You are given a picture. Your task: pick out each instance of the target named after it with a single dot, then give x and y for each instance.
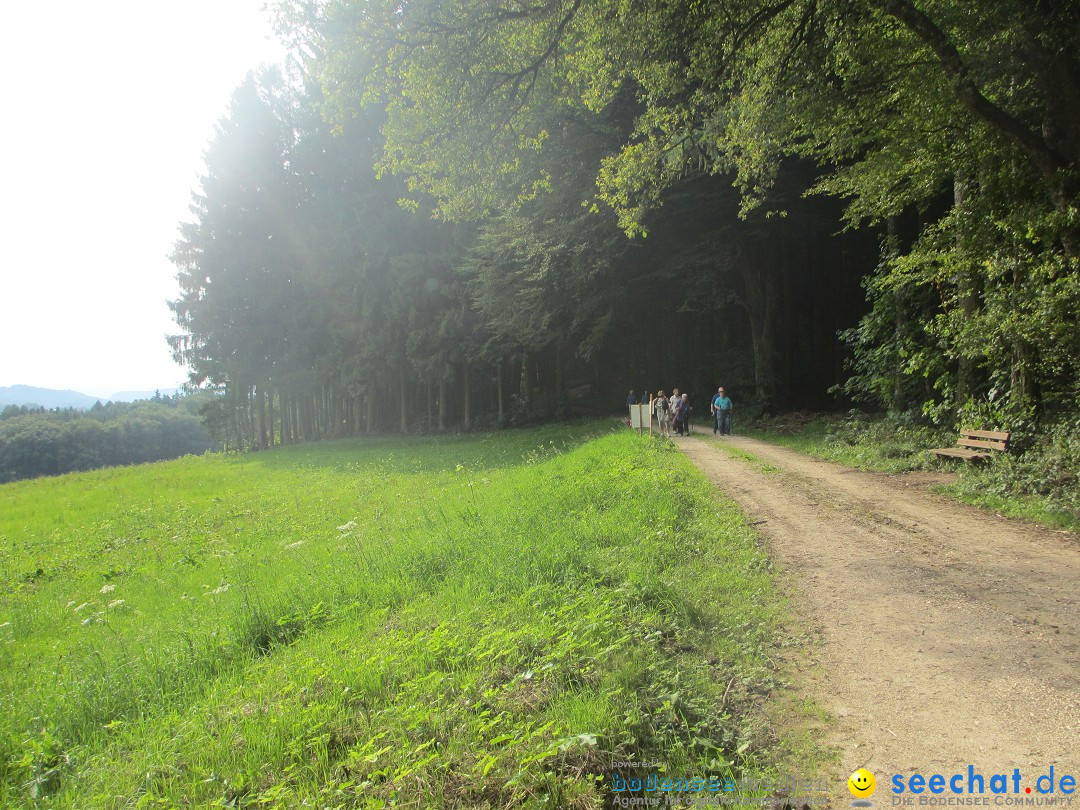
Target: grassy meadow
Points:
(473, 622)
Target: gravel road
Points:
(948, 636)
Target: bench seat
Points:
(965, 453)
(975, 445)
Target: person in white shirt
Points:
(663, 413)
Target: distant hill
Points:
(52, 398)
(44, 397)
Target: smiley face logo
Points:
(862, 784)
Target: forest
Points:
(462, 215)
(35, 441)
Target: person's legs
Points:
(725, 423)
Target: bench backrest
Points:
(984, 439)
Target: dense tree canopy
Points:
(614, 191)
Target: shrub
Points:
(1050, 466)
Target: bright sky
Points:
(108, 108)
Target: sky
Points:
(107, 110)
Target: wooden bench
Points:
(975, 445)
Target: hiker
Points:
(673, 409)
(680, 409)
(721, 408)
(684, 415)
(631, 399)
(663, 413)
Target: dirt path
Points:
(949, 636)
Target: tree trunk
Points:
(759, 301)
(286, 418)
(290, 413)
(402, 403)
(499, 389)
(559, 370)
(270, 414)
(465, 398)
(526, 380)
(247, 434)
(966, 285)
(228, 431)
(321, 421)
(283, 407)
(238, 422)
(1021, 399)
(442, 406)
(892, 252)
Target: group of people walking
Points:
(673, 413)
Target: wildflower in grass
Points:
(80, 607)
(115, 603)
(348, 527)
(107, 588)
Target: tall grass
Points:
(1038, 484)
(449, 623)
(857, 441)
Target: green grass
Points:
(864, 445)
(883, 446)
(744, 455)
(976, 487)
(471, 622)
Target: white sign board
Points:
(641, 417)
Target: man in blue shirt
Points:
(721, 410)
